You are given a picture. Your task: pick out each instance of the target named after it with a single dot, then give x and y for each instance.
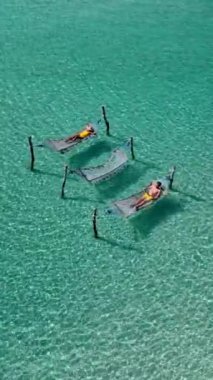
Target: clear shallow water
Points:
(136, 304)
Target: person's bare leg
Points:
(72, 139)
(140, 204)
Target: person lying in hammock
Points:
(85, 133)
(153, 192)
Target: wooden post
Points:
(31, 153)
(132, 148)
(171, 177)
(64, 181)
(94, 222)
(105, 120)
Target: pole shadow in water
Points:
(50, 174)
(82, 199)
(191, 196)
(80, 159)
(115, 243)
(152, 217)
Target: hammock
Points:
(67, 143)
(126, 207)
(117, 161)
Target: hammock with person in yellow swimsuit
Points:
(128, 207)
(65, 144)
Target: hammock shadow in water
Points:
(81, 158)
(114, 243)
(119, 182)
(149, 219)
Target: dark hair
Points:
(158, 184)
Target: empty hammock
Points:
(117, 162)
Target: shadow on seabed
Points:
(115, 243)
(80, 159)
(152, 217)
(192, 196)
(49, 174)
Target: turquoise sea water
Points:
(136, 304)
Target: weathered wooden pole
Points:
(31, 153)
(94, 222)
(171, 177)
(64, 181)
(132, 148)
(105, 120)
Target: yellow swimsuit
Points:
(147, 197)
(84, 133)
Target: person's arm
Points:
(158, 194)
